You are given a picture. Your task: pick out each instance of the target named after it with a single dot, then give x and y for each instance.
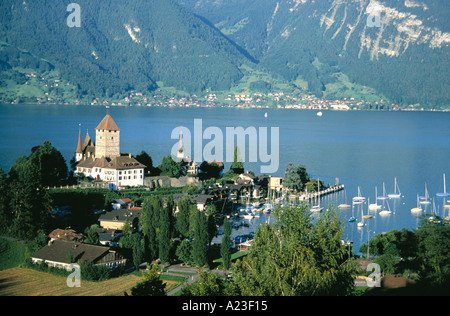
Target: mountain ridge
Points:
(326, 48)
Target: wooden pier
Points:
(306, 196)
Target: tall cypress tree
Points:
(200, 243)
(225, 246)
(164, 235)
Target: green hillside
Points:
(121, 47)
(404, 59)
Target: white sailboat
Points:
(358, 199)
(361, 223)
(317, 208)
(417, 209)
(445, 192)
(396, 194)
(344, 205)
(375, 206)
(425, 199)
(368, 215)
(384, 196)
(386, 212)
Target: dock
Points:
(306, 196)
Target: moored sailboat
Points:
(443, 194)
(425, 199)
(375, 206)
(358, 199)
(417, 209)
(396, 194)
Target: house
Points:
(202, 200)
(246, 178)
(66, 234)
(116, 219)
(109, 237)
(122, 203)
(59, 253)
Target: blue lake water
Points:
(359, 148)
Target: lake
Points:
(360, 148)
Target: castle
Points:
(102, 160)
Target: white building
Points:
(102, 161)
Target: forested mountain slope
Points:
(123, 45)
(398, 47)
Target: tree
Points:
(50, 163)
(294, 257)
(171, 168)
(30, 202)
(225, 250)
(151, 285)
(92, 235)
(184, 252)
(200, 243)
(149, 223)
(209, 170)
(138, 250)
(183, 215)
(295, 177)
(5, 212)
(237, 165)
(164, 235)
(147, 161)
(207, 285)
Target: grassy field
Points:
(25, 282)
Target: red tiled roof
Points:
(108, 124)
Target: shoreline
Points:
(233, 107)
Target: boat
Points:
(344, 205)
(361, 224)
(384, 196)
(352, 219)
(248, 215)
(265, 114)
(425, 199)
(375, 206)
(386, 212)
(396, 194)
(417, 209)
(317, 208)
(358, 199)
(319, 113)
(267, 208)
(368, 216)
(445, 192)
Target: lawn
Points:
(26, 282)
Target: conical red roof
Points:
(108, 124)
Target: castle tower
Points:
(107, 138)
(180, 152)
(78, 151)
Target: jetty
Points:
(307, 196)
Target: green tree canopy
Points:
(295, 257)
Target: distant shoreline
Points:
(233, 107)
